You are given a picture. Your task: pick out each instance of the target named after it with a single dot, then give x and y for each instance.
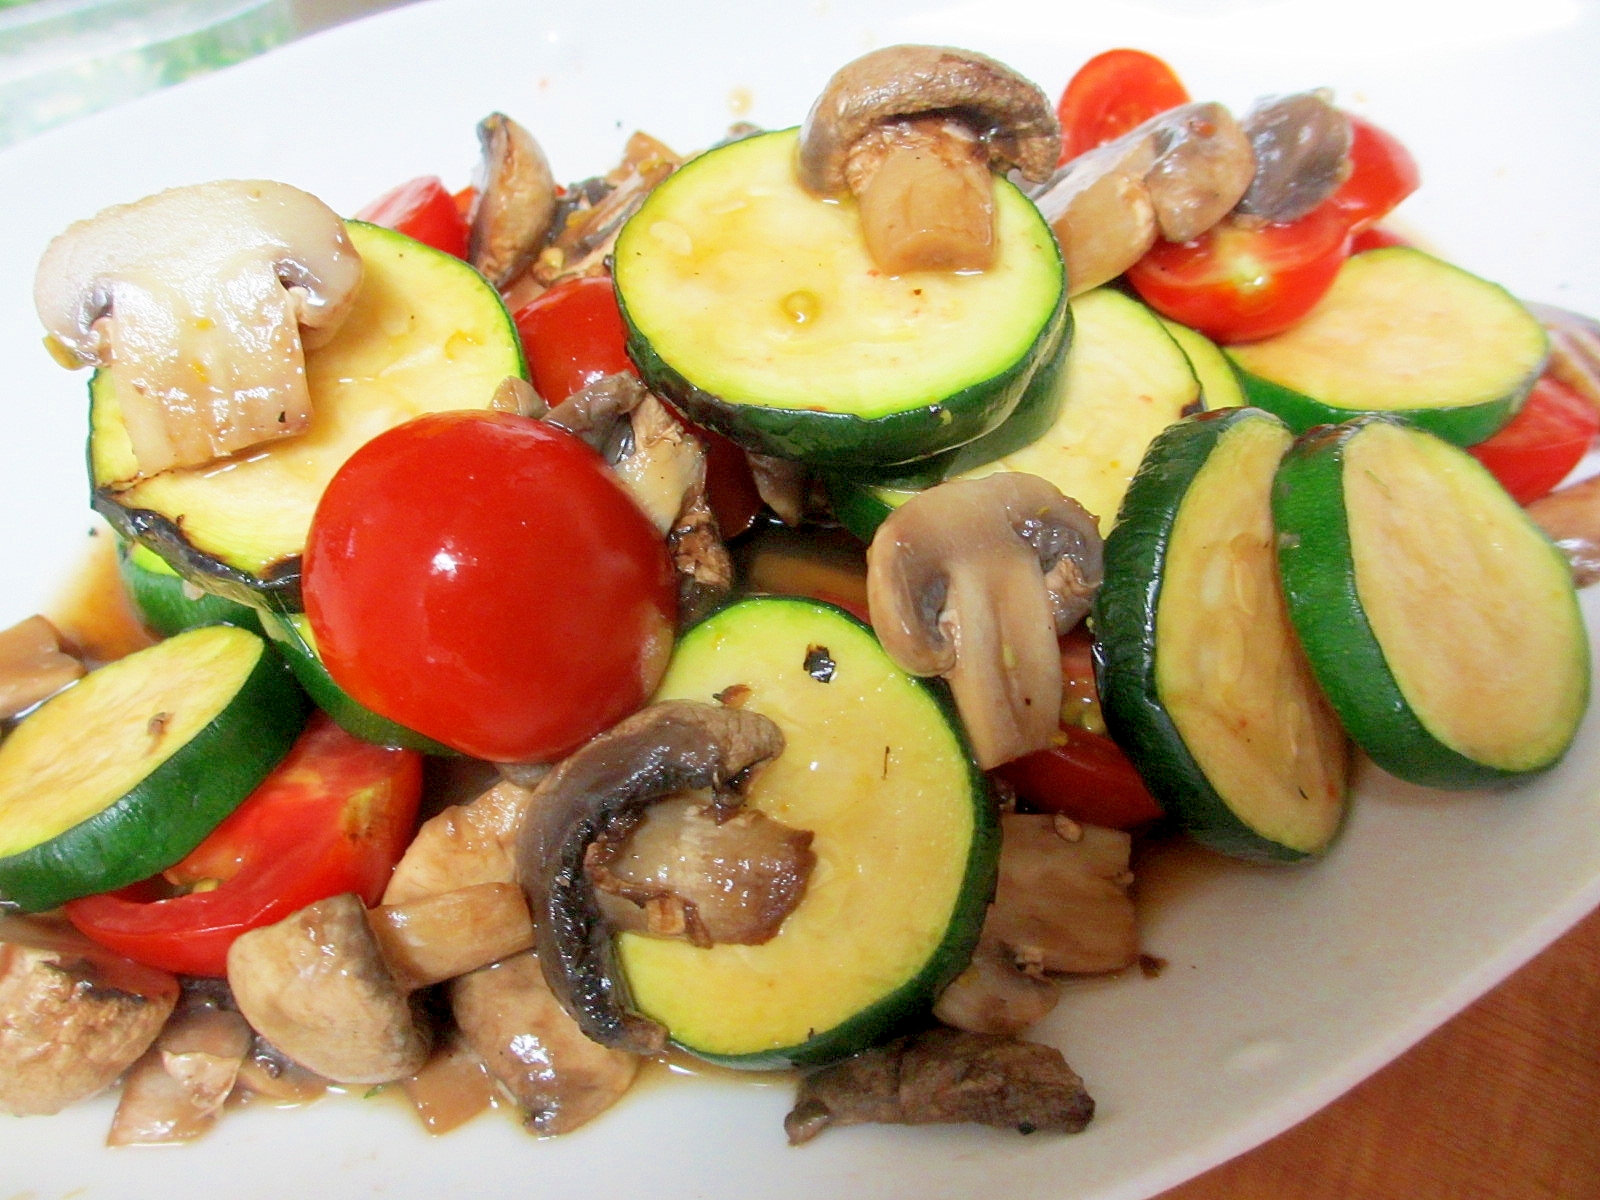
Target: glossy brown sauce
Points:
(92, 610)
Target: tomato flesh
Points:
(1540, 446)
(1110, 95)
(1237, 283)
(1085, 776)
(335, 816)
(573, 335)
(485, 579)
(421, 208)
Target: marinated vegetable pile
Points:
(751, 605)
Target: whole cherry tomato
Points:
(1236, 283)
(573, 335)
(1538, 447)
(334, 816)
(486, 580)
(1382, 173)
(1111, 94)
(423, 209)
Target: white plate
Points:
(1285, 986)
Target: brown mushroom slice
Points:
(1571, 518)
(912, 132)
(33, 667)
(658, 752)
(200, 302)
(1175, 176)
(1302, 148)
(75, 1016)
(559, 1078)
(463, 845)
(1574, 349)
(663, 464)
(516, 201)
(994, 995)
(685, 870)
(974, 580)
(945, 1076)
(268, 1074)
(176, 1091)
(453, 1086)
(592, 213)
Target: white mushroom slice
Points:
(436, 938)
(75, 1016)
(200, 301)
(664, 464)
(177, 1090)
(463, 845)
(516, 201)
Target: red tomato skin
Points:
(1237, 284)
(1087, 777)
(1540, 446)
(573, 335)
(486, 580)
(333, 817)
(1112, 94)
(423, 209)
(1382, 173)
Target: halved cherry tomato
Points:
(334, 817)
(1375, 237)
(486, 580)
(1111, 94)
(1539, 446)
(1235, 283)
(423, 209)
(1382, 173)
(573, 335)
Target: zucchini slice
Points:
(125, 772)
(1125, 380)
(426, 334)
(291, 633)
(906, 838)
(167, 602)
(1219, 382)
(754, 307)
(1441, 622)
(1401, 332)
(1201, 678)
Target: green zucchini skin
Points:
(1318, 566)
(1385, 315)
(761, 409)
(172, 809)
(1123, 625)
(164, 600)
(910, 1002)
(288, 634)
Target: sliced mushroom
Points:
(1174, 177)
(1061, 907)
(686, 871)
(945, 1076)
(320, 986)
(176, 1091)
(453, 1087)
(913, 132)
(662, 750)
(782, 484)
(200, 302)
(663, 464)
(516, 201)
(1574, 349)
(270, 1075)
(33, 666)
(75, 1016)
(1571, 518)
(559, 1078)
(1302, 148)
(974, 580)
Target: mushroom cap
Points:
(974, 580)
(316, 986)
(1302, 149)
(1011, 114)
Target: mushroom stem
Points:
(928, 204)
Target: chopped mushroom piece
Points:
(33, 667)
(663, 750)
(559, 1078)
(200, 303)
(1571, 518)
(945, 1076)
(453, 1087)
(319, 985)
(76, 1016)
(913, 132)
(1302, 148)
(516, 201)
(1175, 176)
(974, 580)
(176, 1091)
(463, 845)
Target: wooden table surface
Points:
(1502, 1103)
